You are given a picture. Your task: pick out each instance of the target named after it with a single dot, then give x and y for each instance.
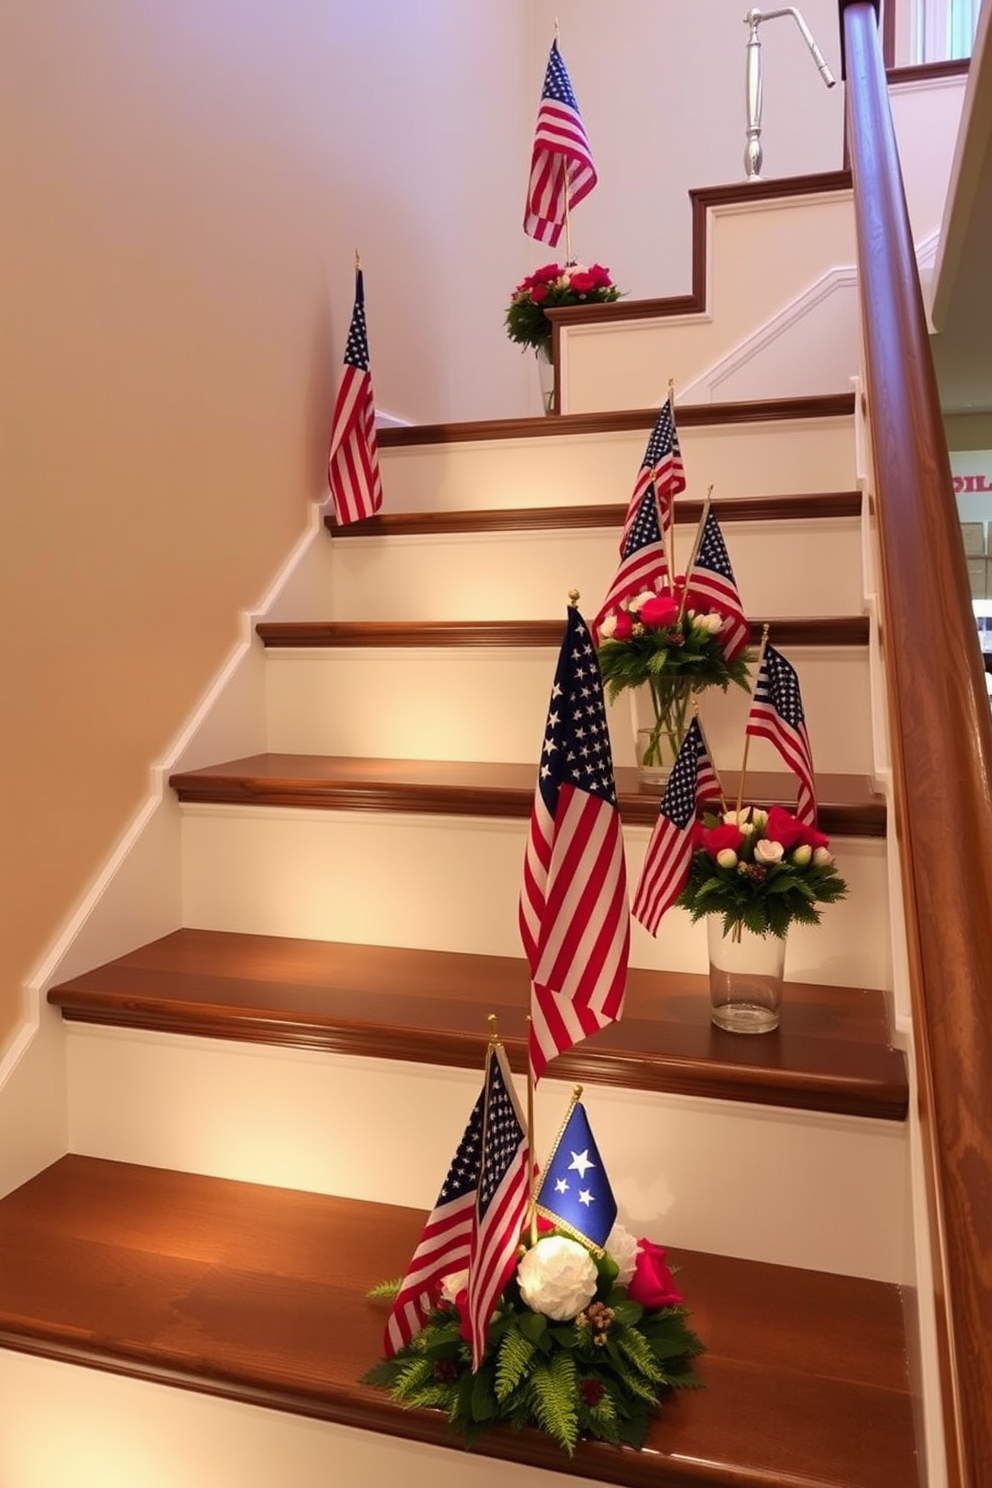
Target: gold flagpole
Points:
(695, 713)
(697, 542)
(747, 736)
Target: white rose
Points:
(621, 1247)
(557, 1276)
(737, 818)
(711, 622)
(802, 855)
(768, 852)
(452, 1284)
(822, 858)
(759, 817)
(638, 599)
(608, 625)
(727, 858)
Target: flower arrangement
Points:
(656, 640)
(761, 870)
(549, 288)
(582, 1343)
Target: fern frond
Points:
(515, 1355)
(552, 1395)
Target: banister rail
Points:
(942, 758)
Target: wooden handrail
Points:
(942, 759)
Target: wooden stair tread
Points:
(258, 1295)
(847, 804)
(792, 631)
(611, 514)
(613, 421)
(831, 1052)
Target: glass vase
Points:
(661, 715)
(746, 972)
(546, 377)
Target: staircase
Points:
(264, 1100)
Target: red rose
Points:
(782, 827)
(652, 1284)
(660, 611)
(583, 283)
(624, 627)
(546, 275)
(715, 839)
(810, 837)
(600, 276)
(539, 293)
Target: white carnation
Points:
(768, 852)
(557, 1276)
(621, 1247)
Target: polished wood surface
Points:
(830, 630)
(847, 804)
(258, 1294)
(600, 514)
(830, 1053)
(942, 758)
(692, 415)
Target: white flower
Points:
(822, 858)
(802, 855)
(759, 817)
(621, 1247)
(608, 625)
(768, 852)
(557, 1276)
(738, 818)
(452, 1284)
(637, 600)
(727, 858)
(711, 622)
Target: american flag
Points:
(710, 583)
(561, 161)
(662, 463)
(777, 715)
(353, 463)
(574, 919)
(669, 853)
(575, 1192)
(501, 1202)
(446, 1243)
(643, 560)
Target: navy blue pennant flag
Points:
(575, 1193)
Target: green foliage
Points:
(695, 661)
(554, 1376)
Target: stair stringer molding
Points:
(136, 894)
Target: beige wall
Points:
(184, 185)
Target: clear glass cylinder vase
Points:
(546, 377)
(746, 974)
(661, 714)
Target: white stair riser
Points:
(117, 1432)
(490, 704)
(452, 883)
(757, 459)
(628, 364)
(808, 567)
(800, 1188)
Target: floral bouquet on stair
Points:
(545, 1314)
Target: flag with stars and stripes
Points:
(669, 853)
(662, 464)
(561, 167)
(643, 561)
(501, 1200)
(574, 919)
(777, 715)
(575, 1193)
(710, 584)
(353, 463)
(446, 1242)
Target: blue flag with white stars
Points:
(575, 1193)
